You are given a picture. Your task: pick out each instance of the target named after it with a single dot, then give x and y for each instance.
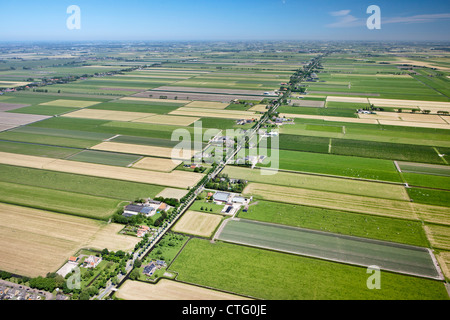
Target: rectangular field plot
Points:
(34, 242)
(170, 290)
(157, 164)
(172, 193)
(387, 256)
(168, 120)
(106, 115)
(70, 103)
(197, 223)
(362, 188)
(164, 152)
(103, 157)
(58, 201)
(275, 275)
(207, 105)
(347, 223)
(422, 168)
(179, 179)
(19, 119)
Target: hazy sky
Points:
(224, 20)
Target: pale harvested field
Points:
(157, 164)
(11, 106)
(415, 124)
(438, 235)
(70, 103)
(432, 213)
(207, 105)
(35, 242)
(172, 193)
(154, 100)
(12, 84)
(178, 179)
(409, 103)
(443, 258)
(170, 290)
(107, 115)
(197, 223)
(4, 127)
(411, 117)
(258, 108)
(347, 99)
(19, 119)
(169, 120)
(163, 152)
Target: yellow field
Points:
(197, 223)
(13, 84)
(172, 193)
(423, 105)
(207, 105)
(443, 258)
(259, 108)
(169, 120)
(157, 164)
(170, 290)
(107, 115)
(179, 179)
(70, 103)
(413, 117)
(347, 99)
(439, 236)
(34, 242)
(142, 150)
(154, 100)
(415, 124)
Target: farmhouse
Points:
(148, 209)
(92, 261)
(142, 231)
(149, 269)
(73, 260)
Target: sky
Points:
(159, 20)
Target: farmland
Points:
(220, 261)
(360, 177)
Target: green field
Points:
(347, 166)
(59, 201)
(36, 149)
(100, 187)
(353, 224)
(107, 158)
(275, 276)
